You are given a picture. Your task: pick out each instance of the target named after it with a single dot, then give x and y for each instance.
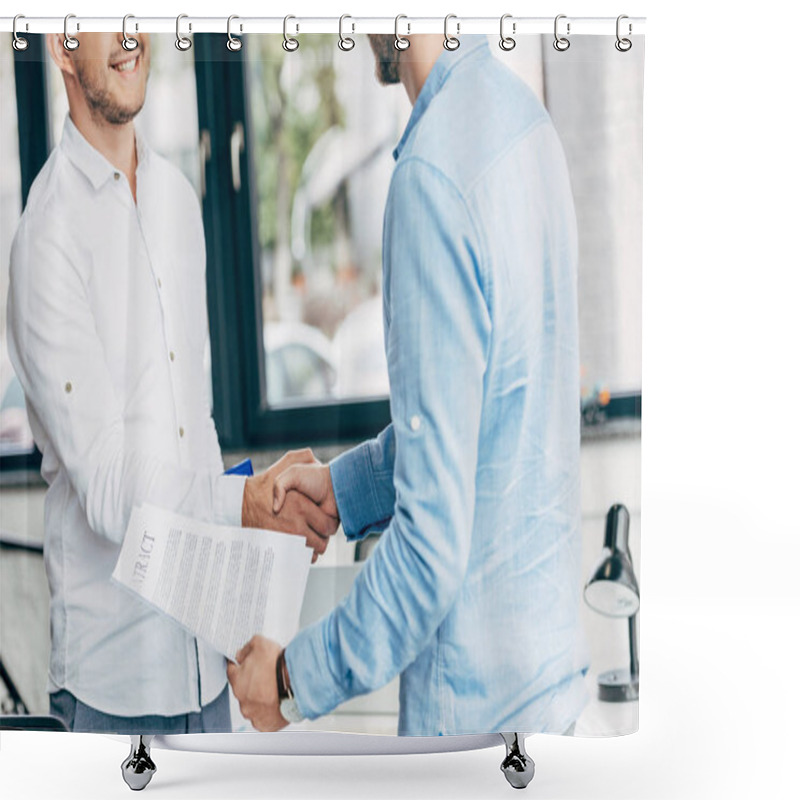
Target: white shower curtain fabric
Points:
(406, 285)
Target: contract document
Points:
(222, 584)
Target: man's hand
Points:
(255, 685)
(298, 514)
(312, 479)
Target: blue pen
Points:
(242, 468)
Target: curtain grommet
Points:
(346, 43)
(623, 44)
(401, 42)
(451, 43)
(70, 42)
(290, 44)
(507, 43)
(19, 43)
(560, 43)
(183, 43)
(234, 44)
(129, 43)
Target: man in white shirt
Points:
(107, 325)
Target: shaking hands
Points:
(294, 495)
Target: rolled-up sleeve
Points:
(60, 361)
(437, 347)
(363, 485)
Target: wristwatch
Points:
(288, 705)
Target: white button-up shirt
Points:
(108, 327)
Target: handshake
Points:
(295, 495)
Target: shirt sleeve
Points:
(437, 345)
(59, 359)
(363, 485)
(229, 493)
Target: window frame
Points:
(33, 138)
(233, 279)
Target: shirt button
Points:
(116, 176)
(171, 356)
(416, 423)
(180, 432)
(159, 283)
(68, 387)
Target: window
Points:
(600, 126)
(298, 172)
(15, 432)
(321, 135)
(601, 130)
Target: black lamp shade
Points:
(612, 589)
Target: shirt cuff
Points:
(357, 496)
(228, 491)
(315, 689)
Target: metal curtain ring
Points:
(19, 43)
(70, 42)
(233, 44)
(451, 42)
(400, 42)
(561, 43)
(128, 42)
(345, 42)
(507, 42)
(623, 44)
(182, 42)
(289, 43)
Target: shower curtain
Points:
(321, 382)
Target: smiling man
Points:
(108, 328)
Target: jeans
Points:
(77, 716)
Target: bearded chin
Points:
(387, 58)
(101, 105)
(110, 112)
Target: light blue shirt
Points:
(472, 592)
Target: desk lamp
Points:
(612, 590)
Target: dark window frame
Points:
(33, 133)
(222, 105)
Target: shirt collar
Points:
(91, 162)
(470, 46)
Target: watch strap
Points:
(284, 692)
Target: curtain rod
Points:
(298, 25)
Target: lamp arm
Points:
(634, 645)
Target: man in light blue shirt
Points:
(472, 593)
